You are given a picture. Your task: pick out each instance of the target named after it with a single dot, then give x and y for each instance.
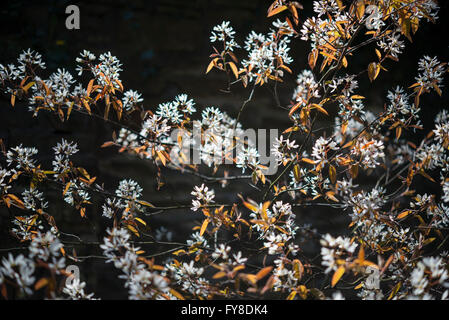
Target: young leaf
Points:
(360, 9)
(296, 173)
(177, 294)
(292, 295)
(344, 62)
(204, 226)
(211, 65)
(141, 221)
(41, 283)
(275, 11)
(294, 108)
(403, 214)
(219, 275)
(250, 206)
(373, 71)
(262, 273)
(234, 69)
(320, 108)
(313, 56)
(89, 87)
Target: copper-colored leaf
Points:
(264, 210)
(145, 203)
(204, 226)
(332, 174)
(379, 55)
(269, 284)
(161, 157)
(211, 65)
(307, 160)
(331, 195)
(320, 108)
(28, 86)
(262, 273)
(337, 275)
(294, 108)
(41, 283)
(276, 11)
(344, 62)
(133, 230)
(354, 171)
(89, 87)
(294, 12)
(296, 173)
(86, 105)
(292, 295)
(398, 132)
(395, 290)
(373, 71)
(67, 186)
(219, 275)
(177, 294)
(141, 221)
(4, 291)
(361, 255)
(403, 214)
(107, 144)
(340, 5)
(360, 9)
(251, 206)
(313, 56)
(234, 69)
(298, 269)
(119, 84)
(69, 110)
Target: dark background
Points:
(164, 48)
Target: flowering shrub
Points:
(247, 248)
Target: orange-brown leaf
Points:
(337, 275)
(403, 214)
(332, 174)
(211, 65)
(89, 87)
(373, 71)
(177, 294)
(219, 275)
(320, 108)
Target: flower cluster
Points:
(267, 53)
(21, 157)
(225, 33)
